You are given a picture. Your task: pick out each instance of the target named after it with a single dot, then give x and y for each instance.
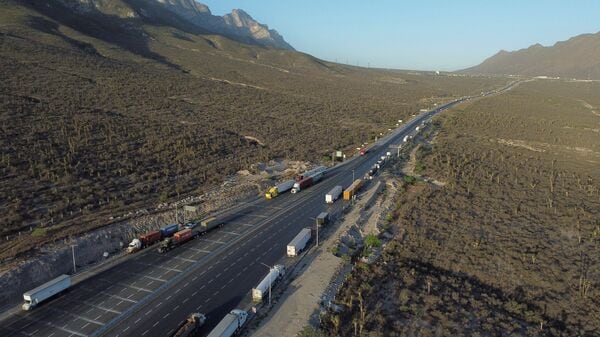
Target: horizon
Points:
(445, 44)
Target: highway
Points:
(149, 294)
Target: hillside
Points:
(104, 112)
(578, 57)
(506, 243)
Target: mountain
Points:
(578, 57)
(238, 24)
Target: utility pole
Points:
(317, 233)
(270, 281)
(73, 252)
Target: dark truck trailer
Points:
(169, 230)
(323, 218)
(177, 239)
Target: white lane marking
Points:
(102, 308)
(63, 329)
(155, 324)
(166, 315)
(185, 300)
(194, 293)
(215, 241)
(231, 233)
(137, 320)
(184, 259)
(168, 298)
(85, 319)
(155, 278)
(127, 328)
(148, 312)
(199, 250)
(145, 332)
(203, 286)
(158, 305)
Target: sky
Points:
(417, 34)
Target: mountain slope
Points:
(578, 57)
(238, 24)
(108, 107)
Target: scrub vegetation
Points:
(101, 115)
(510, 244)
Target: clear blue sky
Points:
(418, 34)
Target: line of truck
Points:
(300, 182)
(173, 235)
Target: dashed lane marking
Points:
(232, 233)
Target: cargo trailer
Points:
(262, 289)
(45, 291)
(207, 225)
(299, 242)
(323, 218)
(230, 325)
(352, 189)
(169, 230)
(334, 194)
(302, 184)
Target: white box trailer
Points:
(230, 324)
(262, 288)
(334, 194)
(45, 291)
(298, 243)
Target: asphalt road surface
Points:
(150, 294)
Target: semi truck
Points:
(299, 242)
(231, 324)
(143, 241)
(190, 326)
(352, 189)
(334, 194)
(308, 179)
(372, 172)
(278, 189)
(178, 238)
(45, 291)
(275, 273)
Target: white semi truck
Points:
(45, 291)
(298, 243)
(230, 324)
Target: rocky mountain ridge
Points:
(237, 24)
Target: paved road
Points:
(151, 293)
